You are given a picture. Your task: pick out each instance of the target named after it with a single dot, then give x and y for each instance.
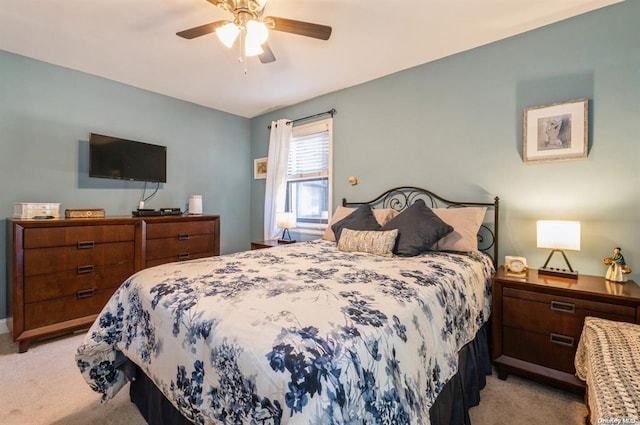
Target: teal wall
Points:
(46, 115)
(455, 126)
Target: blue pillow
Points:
(361, 219)
(418, 229)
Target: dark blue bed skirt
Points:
(451, 407)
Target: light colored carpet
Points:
(43, 386)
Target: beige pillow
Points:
(466, 222)
(369, 241)
(382, 215)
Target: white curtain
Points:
(276, 190)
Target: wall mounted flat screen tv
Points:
(122, 159)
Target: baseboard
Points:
(3, 326)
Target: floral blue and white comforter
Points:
(299, 334)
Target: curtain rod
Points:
(329, 112)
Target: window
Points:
(309, 175)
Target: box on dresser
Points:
(63, 271)
(537, 321)
(84, 213)
(27, 210)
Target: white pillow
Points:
(382, 215)
(466, 222)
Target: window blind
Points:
(309, 154)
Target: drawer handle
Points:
(183, 256)
(85, 293)
(86, 269)
(563, 307)
(86, 244)
(184, 237)
(567, 341)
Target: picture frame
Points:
(260, 168)
(555, 132)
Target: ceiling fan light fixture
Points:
(228, 33)
(252, 49)
(256, 5)
(257, 33)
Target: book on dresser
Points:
(61, 272)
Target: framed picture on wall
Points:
(555, 132)
(260, 168)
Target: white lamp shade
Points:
(252, 49)
(257, 34)
(285, 220)
(555, 234)
(228, 33)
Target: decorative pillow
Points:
(371, 242)
(466, 223)
(382, 215)
(418, 229)
(361, 219)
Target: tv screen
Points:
(115, 158)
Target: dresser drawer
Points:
(51, 260)
(67, 308)
(80, 236)
(180, 249)
(158, 261)
(71, 282)
(181, 230)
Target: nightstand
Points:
(268, 243)
(537, 321)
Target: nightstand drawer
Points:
(555, 351)
(543, 314)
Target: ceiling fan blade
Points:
(267, 55)
(307, 29)
(201, 30)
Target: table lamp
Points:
(558, 236)
(285, 221)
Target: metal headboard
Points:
(400, 198)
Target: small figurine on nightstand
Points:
(617, 266)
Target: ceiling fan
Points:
(253, 28)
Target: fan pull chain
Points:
(243, 53)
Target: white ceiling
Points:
(135, 42)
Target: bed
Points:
(313, 332)
(608, 360)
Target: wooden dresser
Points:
(537, 322)
(62, 272)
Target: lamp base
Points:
(552, 271)
(285, 241)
